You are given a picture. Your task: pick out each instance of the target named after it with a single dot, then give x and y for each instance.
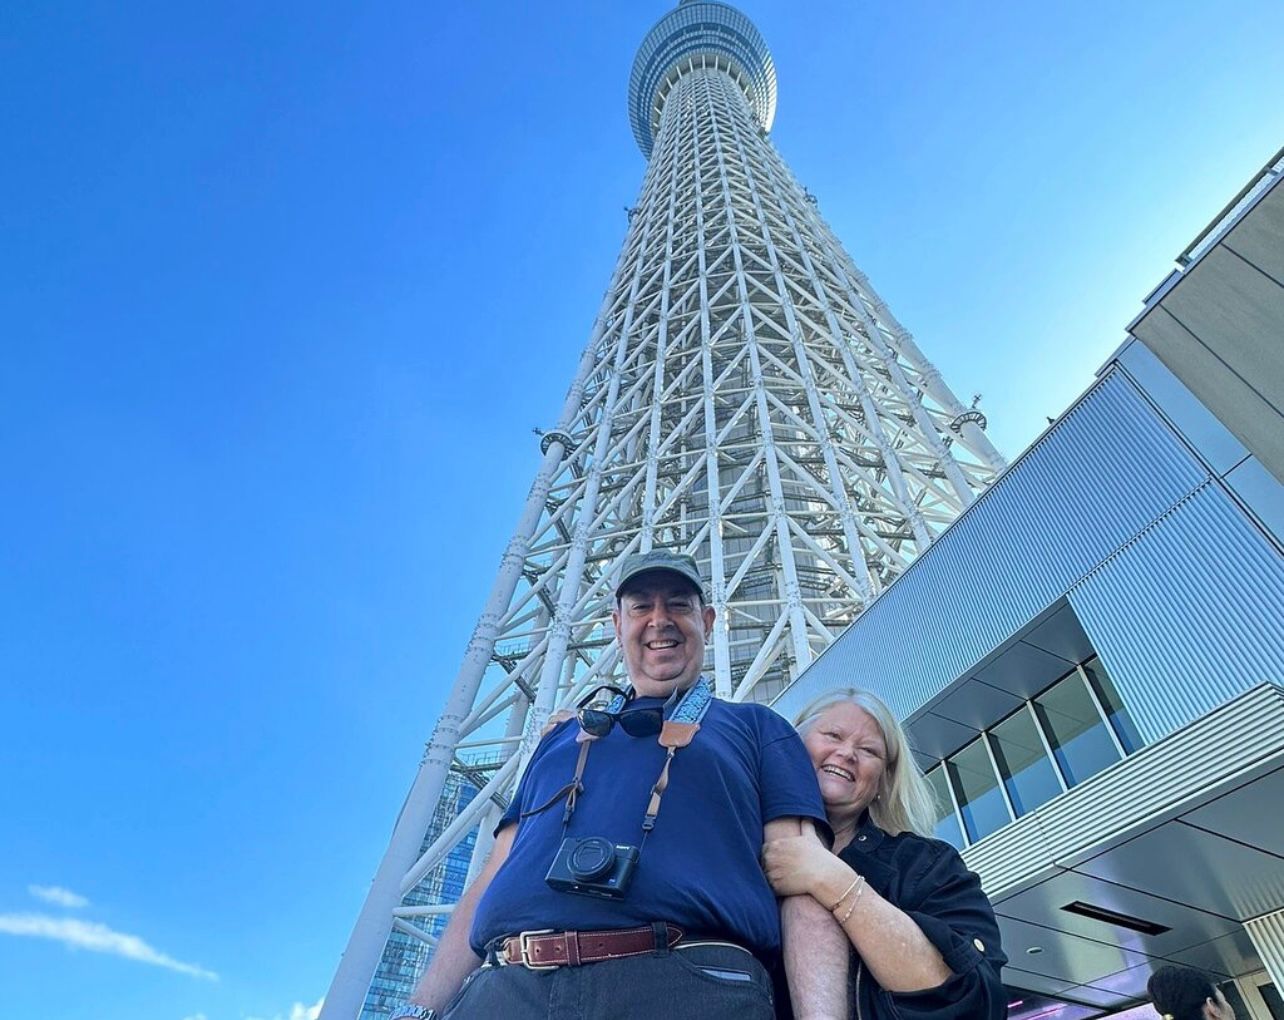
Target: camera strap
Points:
(571, 791)
(673, 736)
(677, 731)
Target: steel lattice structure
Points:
(745, 396)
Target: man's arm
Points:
(454, 958)
(815, 947)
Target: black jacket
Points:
(928, 880)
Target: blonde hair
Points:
(904, 802)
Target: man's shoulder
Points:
(556, 738)
(751, 725)
(762, 718)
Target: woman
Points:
(924, 941)
(1180, 993)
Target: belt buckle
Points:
(523, 950)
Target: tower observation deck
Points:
(744, 396)
(717, 36)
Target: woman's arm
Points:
(899, 956)
(950, 912)
(954, 913)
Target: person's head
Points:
(863, 763)
(661, 621)
(1179, 993)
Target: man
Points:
(597, 903)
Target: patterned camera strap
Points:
(677, 731)
(691, 709)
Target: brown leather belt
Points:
(544, 950)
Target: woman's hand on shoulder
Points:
(798, 865)
(555, 720)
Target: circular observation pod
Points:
(974, 417)
(552, 436)
(699, 31)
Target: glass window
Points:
(1075, 730)
(977, 789)
(947, 822)
(1233, 997)
(1125, 729)
(1027, 770)
(1270, 996)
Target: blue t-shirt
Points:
(699, 868)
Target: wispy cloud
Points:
(58, 895)
(297, 1012)
(195, 1016)
(97, 938)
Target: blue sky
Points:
(283, 289)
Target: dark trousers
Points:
(702, 981)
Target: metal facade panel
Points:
(1189, 615)
(1204, 870)
(1217, 324)
(1202, 430)
(1252, 816)
(1105, 471)
(1267, 933)
(1133, 795)
(1259, 237)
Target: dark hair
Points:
(1180, 993)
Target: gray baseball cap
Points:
(660, 559)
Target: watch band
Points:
(409, 1011)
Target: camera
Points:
(593, 866)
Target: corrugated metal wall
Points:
(1189, 615)
(1267, 933)
(1068, 514)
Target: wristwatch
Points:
(412, 1012)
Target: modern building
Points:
(1089, 660)
(1220, 333)
(745, 396)
(421, 921)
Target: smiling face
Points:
(849, 754)
(662, 626)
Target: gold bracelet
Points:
(839, 902)
(856, 899)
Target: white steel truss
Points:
(745, 397)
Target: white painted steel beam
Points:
(745, 396)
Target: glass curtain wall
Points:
(1071, 731)
(1120, 721)
(947, 819)
(977, 788)
(1022, 756)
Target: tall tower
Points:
(744, 396)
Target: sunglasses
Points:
(636, 722)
